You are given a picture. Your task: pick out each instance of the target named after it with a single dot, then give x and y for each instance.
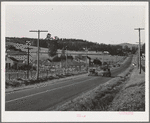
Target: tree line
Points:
(74, 45)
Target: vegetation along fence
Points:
(42, 73)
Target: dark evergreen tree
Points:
(52, 46)
(97, 62)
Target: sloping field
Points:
(33, 51)
(107, 58)
(44, 54)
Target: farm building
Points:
(13, 63)
(10, 61)
(19, 55)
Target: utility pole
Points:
(137, 55)
(139, 29)
(86, 50)
(38, 31)
(86, 58)
(66, 58)
(103, 58)
(28, 43)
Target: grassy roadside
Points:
(99, 98)
(132, 95)
(124, 93)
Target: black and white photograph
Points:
(74, 61)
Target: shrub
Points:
(50, 78)
(27, 82)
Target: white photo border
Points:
(63, 116)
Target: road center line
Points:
(47, 91)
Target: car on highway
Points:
(103, 72)
(93, 71)
(106, 72)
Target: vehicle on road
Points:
(104, 72)
(93, 71)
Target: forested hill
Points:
(73, 44)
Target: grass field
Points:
(107, 58)
(44, 54)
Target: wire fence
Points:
(42, 73)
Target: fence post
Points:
(31, 74)
(39, 73)
(47, 73)
(25, 74)
(9, 76)
(17, 75)
(55, 71)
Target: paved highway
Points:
(48, 97)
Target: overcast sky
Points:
(109, 24)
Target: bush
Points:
(50, 78)
(68, 74)
(27, 82)
(26, 67)
(61, 76)
(32, 81)
(56, 77)
(15, 84)
(20, 79)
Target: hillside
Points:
(128, 44)
(73, 45)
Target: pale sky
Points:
(109, 24)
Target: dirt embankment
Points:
(123, 93)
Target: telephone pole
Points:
(86, 50)
(66, 59)
(38, 31)
(86, 59)
(28, 43)
(139, 29)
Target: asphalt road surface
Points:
(52, 95)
